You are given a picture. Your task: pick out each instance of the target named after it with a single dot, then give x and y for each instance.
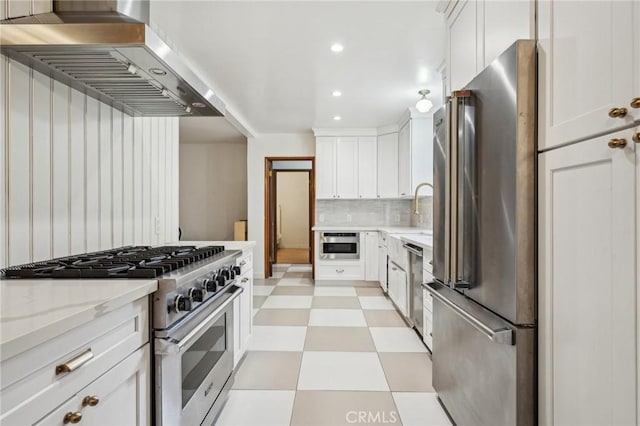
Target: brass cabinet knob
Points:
(90, 401)
(636, 137)
(618, 112)
(72, 418)
(617, 143)
(635, 103)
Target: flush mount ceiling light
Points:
(337, 47)
(336, 93)
(337, 118)
(424, 104)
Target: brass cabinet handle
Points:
(339, 271)
(75, 363)
(244, 280)
(618, 112)
(243, 263)
(635, 103)
(72, 418)
(636, 137)
(617, 143)
(90, 401)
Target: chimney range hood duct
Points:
(105, 48)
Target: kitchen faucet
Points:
(416, 210)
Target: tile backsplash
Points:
(374, 212)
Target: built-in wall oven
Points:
(339, 245)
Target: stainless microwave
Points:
(339, 245)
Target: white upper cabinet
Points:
(347, 167)
(462, 48)
(585, 60)
(367, 167)
(636, 90)
(325, 167)
(503, 23)
(388, 165)
(404, 160)
(415, 155)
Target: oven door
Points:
(194, 364)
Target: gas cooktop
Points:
(124, 262)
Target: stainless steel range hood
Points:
(106, 49)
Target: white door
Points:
(347, 167)
(421, 152)
(585, 62)
(404, 160)
(462, 50)
(367, 167)
(371, 256)
(388, 165)
(587, 289)
(325, 167)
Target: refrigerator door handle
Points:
(502, 336)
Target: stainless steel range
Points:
(192, 319)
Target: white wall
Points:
(293, 201)
(213, 188)
(78, 175)
(269, 145)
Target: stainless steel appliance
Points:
(192, 319)
(339, 245)
(484, 364)
(415, 286)
(105, 48)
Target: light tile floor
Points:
(330, 355)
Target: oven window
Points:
(336, 248)
(201, 357)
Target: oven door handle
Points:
(172, 346)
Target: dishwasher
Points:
(415, 286)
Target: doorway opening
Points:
(289, 213)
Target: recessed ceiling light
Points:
(157, 71)
(337, 118)
(337, 93)
(337, 47)
(198, 105)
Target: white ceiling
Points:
(205, 130)
(271, 61)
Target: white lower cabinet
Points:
(397, 288)
(427, 319)
(371, 256)
(588, 295)
(243, 308)
(382, 260)
(121, 396)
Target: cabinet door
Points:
(398, 288)
(585, 62)
(347, 167)
(367, 167)
(388, 165)
(382, 267)
(404, 160)
(587, 288)
(325, 167)
(123, 396)
(635, 109)
(246, 308)
(421, 152)
(462, 50)
(371, 256)
(503, 23)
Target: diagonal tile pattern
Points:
(332, 354)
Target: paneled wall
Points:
(77, 175)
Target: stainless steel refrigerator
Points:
(484, 325)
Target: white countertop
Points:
(34, 311)
(422, 240)
(229, 245)
(379, 228)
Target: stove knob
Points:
(232, 274)
(225, 273)
(196, 294)
(182, 303)
(211, 284)
(221, 280)
(237, 270)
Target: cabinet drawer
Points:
(339, 272)
(245, 262)
(427, 299)
(30, 384)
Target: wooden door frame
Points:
(268, 272)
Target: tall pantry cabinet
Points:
(589, 207)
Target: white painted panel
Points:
(3, 15)
(325, 167)
(92, 170)
(146, 181)
(116, 178)
(18, 8)
(176, 175)
(127, 177)
(347, 167)
(41, 6)
(367, 167)
(388, 165)
(41, 160)
(504, 23)
(404, 160)
(19, 165)
(167, 174)
(106, 218)
(137, 180)
(60, 169)
(161, 170)
(462, 44)
(155, 124)
(4, 109)
(76, 170)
